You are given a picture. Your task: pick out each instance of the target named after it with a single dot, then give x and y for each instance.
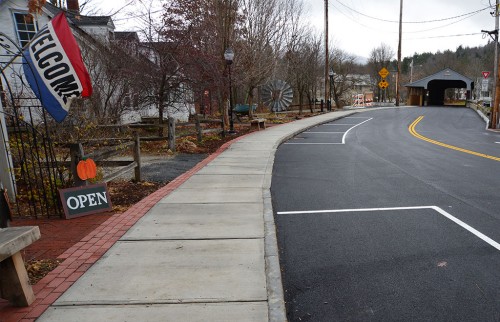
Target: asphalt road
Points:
(386, 216)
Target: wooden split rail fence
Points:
(101, 157)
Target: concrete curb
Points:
(80, 257)
(276, 303)
(484, 117)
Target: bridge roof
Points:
(446, 74)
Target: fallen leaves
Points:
(38, 269)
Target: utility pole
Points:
(398, 75)
(327, 94)
(496, 78)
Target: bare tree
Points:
(117, 78)
(380, 57)
(304, 66)
(262, 41)
(344, 65)
(202, 30)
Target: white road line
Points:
(355, 117)
(469, 228)
(349, 210)
(343, 137)
(345, 134)
(325, 132)
(337, 124)
(435, 208)
(313, 143)
(497, 142)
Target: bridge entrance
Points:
(439, 87)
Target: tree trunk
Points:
(310, 102)
(336, 98)
(301, 95)
(161, 101)
(250, 101)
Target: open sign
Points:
(85, 200)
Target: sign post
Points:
(383, 84)
(485, 83)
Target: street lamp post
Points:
(331, 84)
(229, 56)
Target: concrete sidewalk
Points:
(206, 251)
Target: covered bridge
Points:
(431, 89)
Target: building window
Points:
(26, 27)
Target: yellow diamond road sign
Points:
(383, 84)
(383, 72)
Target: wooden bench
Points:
(258, 124)
(241, 110)
(14, 282)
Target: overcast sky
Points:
(358, 26)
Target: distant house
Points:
(177, 97)
(21, 26)
(353, 87)
(114, 94)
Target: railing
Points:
(482, 110)
(172, 127)
(101, 157)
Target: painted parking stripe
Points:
(325, 132)
(292, 143)
(345, 134)
(447, 215)
(329, 143)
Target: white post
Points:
(495, 67)
(6, 180)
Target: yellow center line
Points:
(411, 128)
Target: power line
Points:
(414, 22)
(353, 19)
(139, 15)
(439, 27)
(444, 36)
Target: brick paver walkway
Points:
(80, 257)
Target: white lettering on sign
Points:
(68, 202)
(91, 199)
(88, 200)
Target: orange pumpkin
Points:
(86, 169)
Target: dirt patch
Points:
(37, 269)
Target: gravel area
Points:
(164, 170)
